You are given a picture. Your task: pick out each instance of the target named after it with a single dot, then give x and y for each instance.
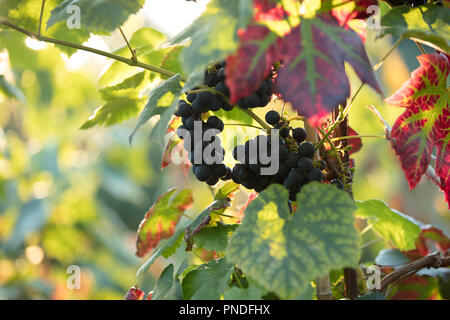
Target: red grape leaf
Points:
(359, 10)
(160, 220)
(356, 143)
(251, 64)
(425, 123)
(416, 287)
(134, 293)
(312, 77)
(430, 236)
(268, 10)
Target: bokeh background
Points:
(76, 197)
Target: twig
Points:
(420, 47)
(434, 260)
(130, 62)
(133, 54)
(40, 17)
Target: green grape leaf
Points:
(160, 220)
(285, 252)
(114, 112)
(168, 286)
(10, 90)
(253, 292)
(227, 190)
(389, 224)
(171, 60)
(391, 258)
(162, 101)
(208, 281)
(214, 238)
(100, 16)
(145, 42)
(213, 34)
(429, 24)
(122, 102)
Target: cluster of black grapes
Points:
(192, 111)
(294, 160)
(293, 156)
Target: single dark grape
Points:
(305, 164)
(198, 107)
(227, 107)
(221, 87)
(252, 101)
(292, 159)
(216, 103)
(204, 97)
(213, 122)
(272, 117)
(212, 181)
(220, 170)
(284, 132)
(296, 176)
(184, 109)
(338, 183)
(203, 172)
(191, 97)
(315, 175)
(306, 149)
(299, 134)
(283, 152)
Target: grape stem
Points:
(131, 62)
(243, 125)
(358, 136)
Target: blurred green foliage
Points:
(76, 197)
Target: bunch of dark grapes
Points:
(194, 109)
(294, 159)
(206, 158)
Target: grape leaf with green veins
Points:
(162, 101)
(312, 77)
(100, 16)
(208, 281)
(145, 42)
(429, 24)
(425, 123)
(160, 220)
(214, 238)
(122, 102)
(286, 251)
(390, 224)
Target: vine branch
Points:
(130, 62)
(434, 260)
